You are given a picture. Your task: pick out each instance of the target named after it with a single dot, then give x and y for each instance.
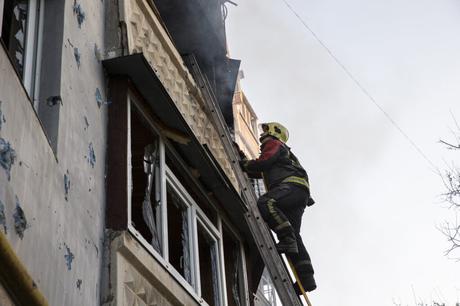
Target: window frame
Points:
(195, 216)
(33, 48)
(243, 267)
(2, 4)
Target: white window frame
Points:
(173, 182)
(33, 45)
(216, 236)
(2, 3)
(195, 215)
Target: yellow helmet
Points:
(276, 130)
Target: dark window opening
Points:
(203, 203)
(145, 199)
(178, 235)
(209, 265)
(233, 278)
(14, 29)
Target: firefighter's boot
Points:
(308, 284)
(305, 276)
(287, 241)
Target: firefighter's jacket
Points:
(276, 164)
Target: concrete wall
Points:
(61, 243)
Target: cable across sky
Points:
(360, 86)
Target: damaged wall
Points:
(52, 205)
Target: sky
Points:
(374, 233)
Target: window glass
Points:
(209, 267)
(179, 234)
(14, 29)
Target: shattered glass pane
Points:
(215, 273)
(145, 173)
(236, 278)
(234, 273)
(20, 38)
(15, 15)
(19, 58)
(209, 273)
(178, 235)
(185, 247)
(151, 163)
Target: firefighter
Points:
(288, 194)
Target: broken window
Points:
(145, 174)
(234, 271)
(20, 24)
(175, 221)
(209, 266)
(179, 234)
(207, 207)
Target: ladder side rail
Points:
(261, 233)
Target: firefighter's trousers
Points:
(282, 208)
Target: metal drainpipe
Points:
(16, 279)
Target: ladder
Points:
(257, 225)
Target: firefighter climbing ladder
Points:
(259, 229)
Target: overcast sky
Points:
(373, 233)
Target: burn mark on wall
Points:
(77, 55)
(79, 282)
(20, 221)
(91, 155)
(69, 257)
(66, 185)
(7, 156)
(79, 13)
(86, 123)
(99, 100)
(97, 53)
(3, 217)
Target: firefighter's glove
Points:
(241, 154)
(310, 201)
(243, 164)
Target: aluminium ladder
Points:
(257, 225)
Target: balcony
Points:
(146, 34)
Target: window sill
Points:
(31, 104)
(160, 275)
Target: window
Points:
(234, 269)
(209, 263)
(33, 37)
(145, 176)
(255, 129)
(21, 24)
(177, 226)
(179, 234)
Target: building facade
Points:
(116, 186)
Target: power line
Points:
(358, 84)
